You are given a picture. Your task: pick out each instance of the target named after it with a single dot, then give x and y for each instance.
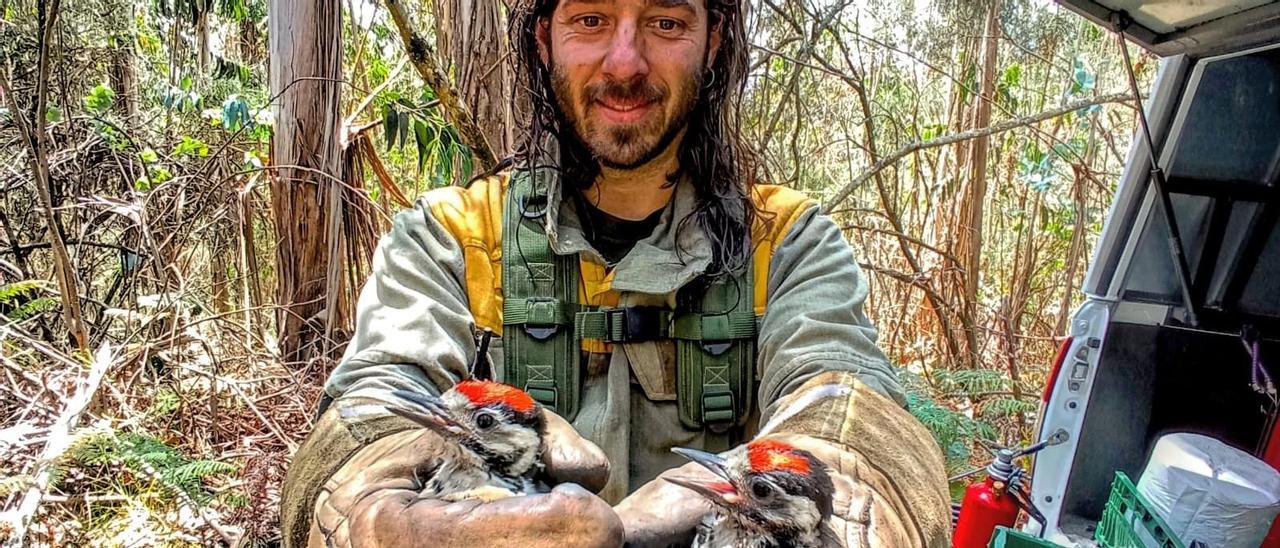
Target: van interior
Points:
(1157, 373)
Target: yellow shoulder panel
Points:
(778, 209)
(473, 215)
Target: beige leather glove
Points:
(372, 498)
(660, 513)
(890, 482)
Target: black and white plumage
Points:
(496, 435)
(767, 494)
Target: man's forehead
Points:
(691, 4)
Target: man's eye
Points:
(668, 24)
(590, 21)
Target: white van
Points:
(1151, 353)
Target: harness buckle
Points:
(636, 323)
(540, 323)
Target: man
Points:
(645, 289)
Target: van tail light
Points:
(1057, 367)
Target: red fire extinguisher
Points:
(997, 500)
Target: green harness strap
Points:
(540, 294)
(714, 326)
(715, 333)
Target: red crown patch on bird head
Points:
(488, 393)
(775, 456)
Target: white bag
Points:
(1209, 491)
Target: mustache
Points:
(634, 91)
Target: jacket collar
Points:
(672, 256)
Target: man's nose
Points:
(625, 59)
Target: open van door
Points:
(1139, 364)
(1174, 27)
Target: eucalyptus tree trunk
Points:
(305, 45)
(471, 37)
(968, 241)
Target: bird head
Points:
(766, 486)
(501, 424)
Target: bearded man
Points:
(627, 269)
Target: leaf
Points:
(467, 162)
(422, 137)
(404, 122)
(389, 125)
(99, 99)
(1007, 407)
(191, 147)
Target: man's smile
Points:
(624, 112)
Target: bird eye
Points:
(485, 421)
(761, 489)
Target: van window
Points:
(1232, 130)
(1222, 177)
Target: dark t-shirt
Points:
(612, 236)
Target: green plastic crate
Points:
(1126, 513)
(1008, 538)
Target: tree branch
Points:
(424, 61)
(33, 132)
(1001, 127)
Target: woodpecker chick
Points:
(766, 494)
(496, 432)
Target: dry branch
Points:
(35, 139)
(59, 441)
(1001, 127)
(455, 110)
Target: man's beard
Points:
(627, 146)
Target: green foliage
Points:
(149, 457)
(15, 484)
(99, 99)
(18, 300)
(190, 146)
(954, 431)
(164, 403)
(999, 408)
(181, 98)
(971, 381)
(235, 114)
(1009, 82)
(9, 293)
(436, 142)
(1082, 81)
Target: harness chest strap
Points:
(713, 326)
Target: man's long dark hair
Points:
(712, 153)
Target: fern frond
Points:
(1006, 407)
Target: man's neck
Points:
(634, 194)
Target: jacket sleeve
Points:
(413, 325)
(827, 387)
(814, 319)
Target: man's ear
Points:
(713, 43)
(543, 33)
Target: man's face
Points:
(626, 73)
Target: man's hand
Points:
(569, 457)
(661, 513)
(374, 500)
(568, 516)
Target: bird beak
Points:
(428, 411)
(720, 492)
